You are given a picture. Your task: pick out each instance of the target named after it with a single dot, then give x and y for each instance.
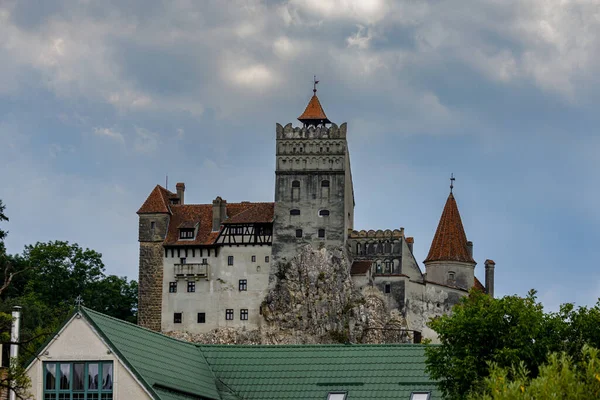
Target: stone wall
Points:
(150, 285)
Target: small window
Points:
(321, 233)
(323, 213)
(298, 233)
(451, 276)
(244, 314)
(336, 396)
(201, 318)
(420, 395)
(172, 287)
(295, 212)
(204, 261)
(388, 267)
(253, 258)
(186, 234)
(229, 314)
(152, 225)
(266, 258)
(230, 260)
(191, 287)
(243, 285)
(182, 260)
(295, 184)
(388, 288)
(177, 318)
(325, 183)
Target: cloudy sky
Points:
(100, 100)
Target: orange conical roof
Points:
(450, 240)
(314, 114)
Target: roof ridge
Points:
(87, 310)
(330, 345)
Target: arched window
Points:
(325, 183)
(379, 248)
(371, 248)
(358, 249)
(295, 184)
(451, 276)
(323, 213)
(295, 211)
(388, 267)
(378, 268)
(387, 247)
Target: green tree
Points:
(560, 378)
(481, 330)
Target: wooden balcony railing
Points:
(191, 271)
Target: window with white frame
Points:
(337, 396)
(420, 395)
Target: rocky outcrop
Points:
(313, 300)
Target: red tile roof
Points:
(450, 240)
(360, 267)
(185, 215)
(313, 112)
(478, 285)
(157, 201)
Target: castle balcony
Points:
(192, 271)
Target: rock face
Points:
(313, 300)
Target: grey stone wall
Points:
(442, 271)
(152, 232)
(310, 156)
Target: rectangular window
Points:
(204, 261)
(243, 285)
(244, 314)
(177, 318)
(336, 396)
(420, 395)
(253, 258)
(152, 225)
(191, 287)
(229, 314)
(172, 287)
(186, 233)
(298, 233)
(78, 380)
(201, 318)
(321, 233)
(182, 260)
(388, 288)
(266, 258)
(230, 260)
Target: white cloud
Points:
(366, 11)
(109, 133)
(145, 141)
(361, 39)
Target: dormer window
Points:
(174, 201)
(186, 233)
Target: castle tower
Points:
(154, 217)
(314, 197)
(450, 259)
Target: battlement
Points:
(311, 132)
(396, 233)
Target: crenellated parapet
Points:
(311, 132)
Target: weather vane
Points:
(315, 82)
(79, 301)
(452, 179)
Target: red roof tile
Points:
(360, 267)
(450, 240)
(478, 285)
(313, 112)
(157, 201)
(186, 215)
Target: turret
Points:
(450, 259)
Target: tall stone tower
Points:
(450, 259)
(154, 217)
(314, 197)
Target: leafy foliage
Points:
(506, 332)
(560, 378)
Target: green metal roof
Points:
(312, 371)
(160, 362)
(176, 370)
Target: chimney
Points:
(15, 336)
(489, 277)
(219, 210)
(470, 248)
(409, 242)
(180, 191)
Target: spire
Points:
(314, 114)
(450, 240)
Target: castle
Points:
(207, 266)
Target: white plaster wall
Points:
(79, 342)
(220, 292)
(464, 273)
(410, 266)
